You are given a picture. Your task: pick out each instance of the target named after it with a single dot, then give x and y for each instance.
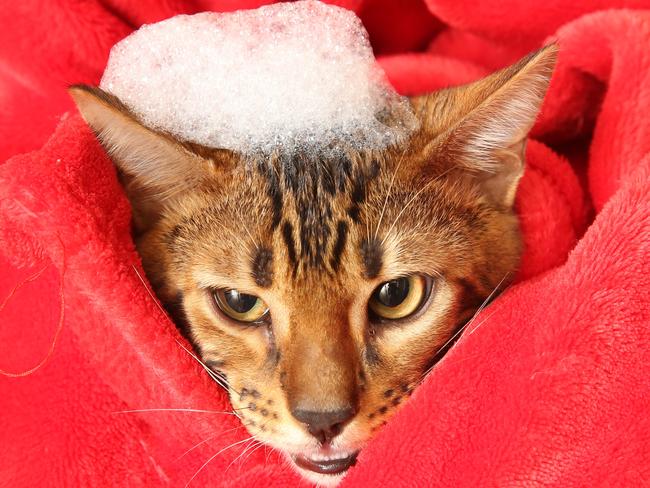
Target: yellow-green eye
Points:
(399, 298)
(240, 306)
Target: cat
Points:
(323, 291)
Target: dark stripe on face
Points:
(372, 258)
(358, 194)
(174, 234)
(353, 213)
(471, 297)
(273, 353)
(314, 238)
(287, 235)
(311, 184)
(339, 244)
(215, 364)
(445, 347)
(358, 191)
(176, 310)
(274, 191)
(262, 267)
(374, 169)
(371, 355)
(357, 197)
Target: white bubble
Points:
(289, 76)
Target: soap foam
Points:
(289, 76)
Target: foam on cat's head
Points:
(287, 76)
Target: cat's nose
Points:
(324, 425)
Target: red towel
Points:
(550, 385)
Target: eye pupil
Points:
(240, 302)
(392, 293)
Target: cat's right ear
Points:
(155, 167)
(482, 127)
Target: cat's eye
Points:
(399, 298)
(240, 306)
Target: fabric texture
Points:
(549, 385)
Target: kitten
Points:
(324, 290)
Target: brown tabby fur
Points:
(314, 238)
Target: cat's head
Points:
(324, 289)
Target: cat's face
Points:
(321, 289)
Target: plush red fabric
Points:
(548, 386)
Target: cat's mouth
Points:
(326, 462)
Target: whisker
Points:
(408, 204)
(392, 180)
(468, 323)
(253, 442)
(488, 299)
(207, 440)
(215, 455)
(485, 319)
(245, 227)
(212, 374)
(191, 410)
(237, 237)
(479, 324)
(478, 311)
(260, 445)
(153, 297)
(388, 192)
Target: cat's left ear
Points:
(155, 167)
(482, 127)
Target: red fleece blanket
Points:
(550, 385)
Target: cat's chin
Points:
(323, 469)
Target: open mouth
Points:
(326, 464)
